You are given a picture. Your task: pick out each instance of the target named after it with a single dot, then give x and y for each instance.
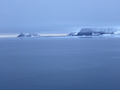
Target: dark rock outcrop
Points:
(21, 35)
(85, 31)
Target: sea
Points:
(60, 63)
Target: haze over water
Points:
(57, 16)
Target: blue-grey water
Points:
(59, 63)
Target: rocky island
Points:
(95, 31)
(28, 35)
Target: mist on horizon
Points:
(61, 16)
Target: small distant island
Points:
(28, 35)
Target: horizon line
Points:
(15, 35)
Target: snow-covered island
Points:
(28, 35)
(96, 32)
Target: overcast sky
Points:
(57, 15)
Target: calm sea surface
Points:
(59, 63)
